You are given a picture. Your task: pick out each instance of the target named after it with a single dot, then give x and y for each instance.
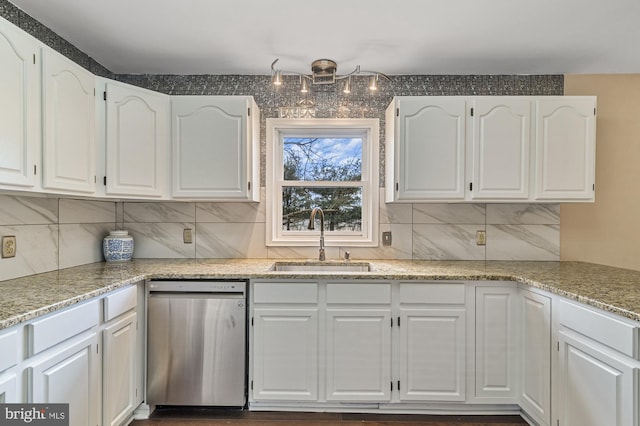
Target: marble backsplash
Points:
(55, 233)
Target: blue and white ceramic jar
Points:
(117, 246)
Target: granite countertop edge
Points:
(611, 289)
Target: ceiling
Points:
(391, 36)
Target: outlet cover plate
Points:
(187, 236)
(8, 246)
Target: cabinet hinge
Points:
(391, 383)
(391, 322)
(594, 111)
(34, 59)
(470, 186)
(252, 385)
(249, 112)
(397, 112)
(472, 112)
(35, 169)
(252, 321)
(104, 181)
(398, 321)
(249, 186)
(593, 187)
(397, 186)
(558, 422)
(398, 384)
(97, 348)
(104, 95)
(95, 179)
(558, 346)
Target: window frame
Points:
(276, 129)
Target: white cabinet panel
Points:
(70, 374)
(535, 396)
(501, 143)
(19, 106)
(565, 148)
(496, 346)
(429, 148)
(9, 388)
(358, 355)
(596, 387)
(285, 354)
(69, 139)
(432, 354)
(137, 141)
(119, 370)
(214, 142)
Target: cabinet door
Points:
(565, 149)
(596, 386)
(119, 372)
(69, 145)
(496, 346)
(358, 355)
(70, 375)
(432, 355)
(285, 354)
(137, 135)
(19, 106)
(8, 388)
(210, 147)
(501, 141)
(431, 148)
(535, 397)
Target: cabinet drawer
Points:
(615, 333)
(426, 293)
(9, 353)
(285, 293)
(55, 328)
(358, 293)
(119, 302)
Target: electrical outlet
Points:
(8, 246)
(481, 238)
(386, 238)
(187, 236)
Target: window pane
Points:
(342, 208)
(322, 159)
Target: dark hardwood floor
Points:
(197, 416)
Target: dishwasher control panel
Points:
(198, 286)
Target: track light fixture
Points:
(324, 71)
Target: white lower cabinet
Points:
(431, 350)
(496, 345)
(358, 354)
(535, 356)
(285, 354)
(8, 388)
(595, 386)
(596, 380)
(119, 370)
(70, 373)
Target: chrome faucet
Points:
(311, 227)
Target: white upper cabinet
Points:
(68, 120)
(215, 147)
(19, 106)
(501, 141)
(490, 149)
(136, 141)
(425, 148)
(565, 148)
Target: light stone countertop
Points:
(612, 289)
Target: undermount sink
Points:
(317, 266)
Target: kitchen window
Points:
(326, 163)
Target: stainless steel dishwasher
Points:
(196, 343)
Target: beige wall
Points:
(608, 231)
